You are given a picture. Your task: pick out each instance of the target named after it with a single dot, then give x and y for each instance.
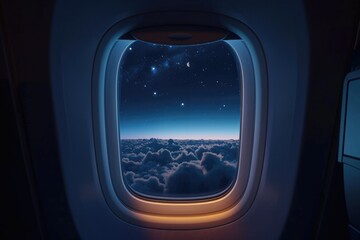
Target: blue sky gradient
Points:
(179, 92)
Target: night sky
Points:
(179, 92)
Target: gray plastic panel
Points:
(352, 125)
(349, 146)
(352, 194)
(352, 162)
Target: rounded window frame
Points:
(193, 214)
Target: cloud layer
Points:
(179, 168)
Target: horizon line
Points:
(180, 139)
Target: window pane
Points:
(179, 113)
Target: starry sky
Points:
(179, 92)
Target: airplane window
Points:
(179, 119)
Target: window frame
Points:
(195, 214)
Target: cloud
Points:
(185, 157)
(150, 186)
(200, 150)
(187, 179)
(129, 177)
(210, 160)
(179, 167)
(227, 150)
(162, 157)
(207, 176)
(219, 174)
(129, 165)
(134, 157)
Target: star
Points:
(153, 70)
(145, 86)
(224, 105)
(130, 48)
(182, 104)
(154, 93)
